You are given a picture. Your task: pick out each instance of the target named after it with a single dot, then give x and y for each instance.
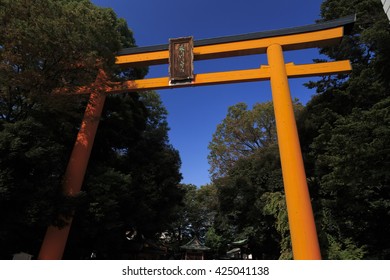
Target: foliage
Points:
(345, 250)
(242, 202)
(132, 182)
(354, 163)
(241, 133)
(140, 191)
(195, 216)
(245, 167)
(275, 205)
(133, 174)
(215, 242)
(345, 132)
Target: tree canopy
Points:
(344, 132)
(241, 133)
(132, 191)
(133, 175)
(345, 128)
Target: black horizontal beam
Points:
(346, 22)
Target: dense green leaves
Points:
(353, 165)
(194, 217)
(132, 181)
(243, 198)
(242, 133)
(345, 131)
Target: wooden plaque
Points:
(181, 60)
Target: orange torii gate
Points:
(180, 54)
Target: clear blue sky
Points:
(195, 112)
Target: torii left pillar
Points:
(55, 240)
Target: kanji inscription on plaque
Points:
(181, 59)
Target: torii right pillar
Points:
(300, 214)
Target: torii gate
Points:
(180, 54)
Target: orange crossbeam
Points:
(251, 75)
(259, 46)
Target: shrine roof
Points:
(195, 244)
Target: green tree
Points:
(245, 160)
(132, 183)
(216, 243)
(40, 50)
(133, 175)
(275, 205)
(345, 130)
(241, 133)
(243, 198)
(357, 161)
(195, 215)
